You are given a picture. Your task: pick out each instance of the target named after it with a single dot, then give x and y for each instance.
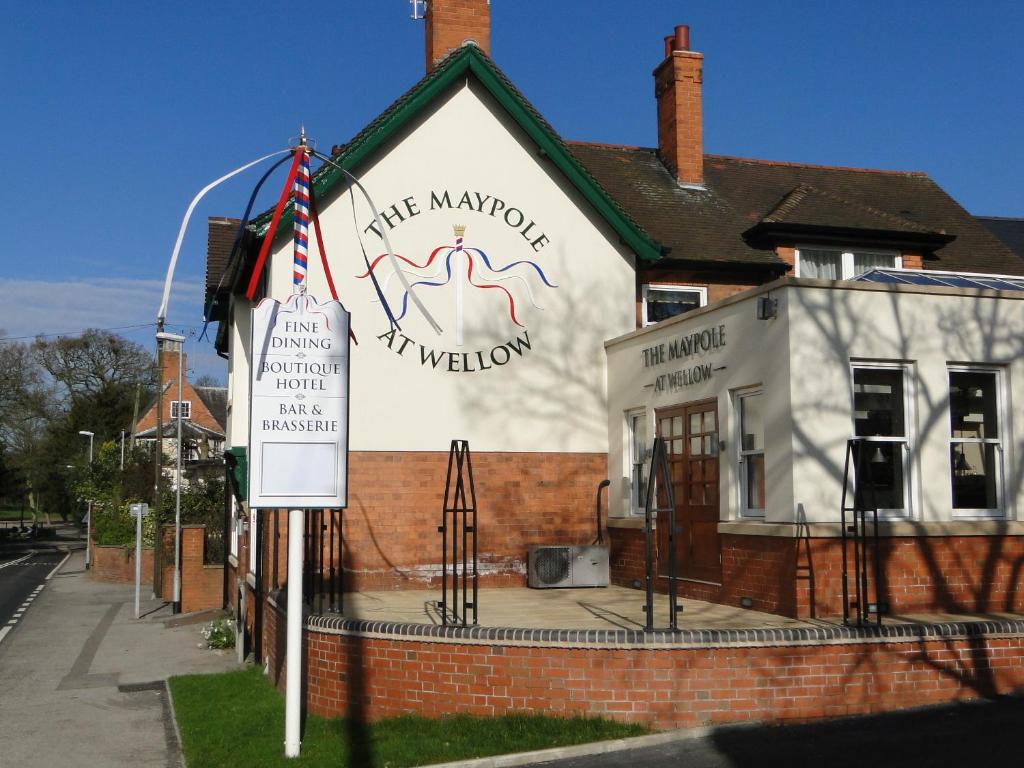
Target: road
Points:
(23, 572)
(958, 734)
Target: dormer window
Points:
(662, 301)
(842, 264)
(184, 405)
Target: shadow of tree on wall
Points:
(964, 332)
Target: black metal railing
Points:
(323, 567)
(213, 546)
(459, 521)
(661, 500)
(857, 518)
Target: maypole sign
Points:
(298, 428)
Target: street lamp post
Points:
(163, 336)
(88, 514)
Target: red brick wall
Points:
(202, 586)
(395, 502)
(450, 22)
(117, 564)
(677, 88)
(372, 678)
(803, 577)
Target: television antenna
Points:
(419, 9)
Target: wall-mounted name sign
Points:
(486, 281)
(298, 423)
(681, 348)
(684, 346)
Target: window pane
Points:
(878, 402)
(862, 262)
(663, 303)
(972, 404)
(694, 423)
(883, 486)
(754, 482)
(826, 265)
(974, 475)
(751, 423)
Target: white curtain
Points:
(825, 265)
(862, 262)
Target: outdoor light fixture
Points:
(163, 336)
(88, 513)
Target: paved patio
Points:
(593, 608)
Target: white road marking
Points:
(57, 568)
(15, 562)
(12, 622)
(3, 633)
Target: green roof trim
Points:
(469, 58)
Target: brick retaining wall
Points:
(371, 676)
(117, 564)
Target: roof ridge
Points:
(607, 145)
(790, 164)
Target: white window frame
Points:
(1000, 511)
(636, 507)
(909, 429)
(846, 261)
(742, 455)
(648, 287)
(187, 413)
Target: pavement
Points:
(82, 681)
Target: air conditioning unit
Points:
(568, 566)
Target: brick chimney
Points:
(450, 23)
(169, 360)
(677, 87)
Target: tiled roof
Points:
(709, 223)
(216, 401)
(1009, 230)
(220, 237)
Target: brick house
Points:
(204, 413)
(631, 237)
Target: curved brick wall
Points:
(371, 670)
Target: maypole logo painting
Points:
(458, 268)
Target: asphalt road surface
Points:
(23, 572)
(954, 735)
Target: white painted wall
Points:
(755, 354)
(803, 357)
(551, 399)
(831, 327)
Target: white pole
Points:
(293, 653)
(88, 513)
(177, 496)
(138, 558)
(122, 449)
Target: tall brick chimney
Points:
(450, 23)
(677, 87)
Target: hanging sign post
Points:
(298, 414)
(298, 428)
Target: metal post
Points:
(88, 513)
(158, 468)
(122, 450)
(137, 510)
(177, 494)
(293, 652)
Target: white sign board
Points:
(139, 510)
(298, 423)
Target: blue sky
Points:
(116, 114)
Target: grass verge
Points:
(237, 718)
